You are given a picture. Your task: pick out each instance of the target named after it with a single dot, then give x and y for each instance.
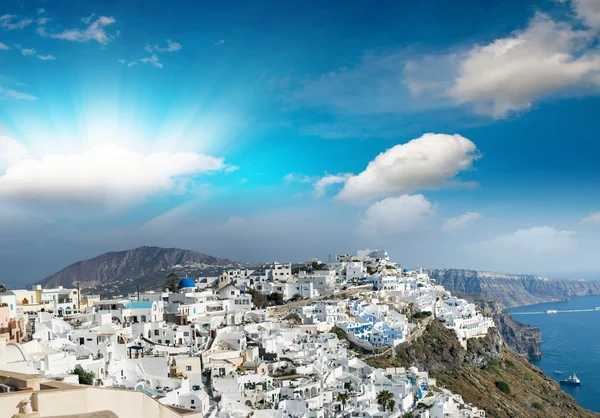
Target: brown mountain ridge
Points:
(119, 266)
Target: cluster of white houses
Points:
(207, 351)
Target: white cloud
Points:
(132, 63)
(104, 175)
(12, 22)
(154, 60)
(87, 20)
(592, 218)
(428, 162)
(95, 31)
(320, 186)
(374, 86)
(171, 47)
(220, 42)
(121, 61)
(588, 11)
(527, 246)
(47, 57)
(298, 178)
(27, 51)
(41, 11)
(461, 222)
(14, 94)
(395, 215)
(11, 151)
(4, 47)
(509, 74)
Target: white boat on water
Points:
(551, 311)
(572, 380)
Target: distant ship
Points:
(597, 308)
(557, 372)
(551, 311)
(571, 380)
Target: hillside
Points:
(475, 373)
(513, 289)
(146, 264)
(523, 339)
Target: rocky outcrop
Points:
(513, 289)
(119, 266)
(485, 374)
(523, 339)
(438, 349)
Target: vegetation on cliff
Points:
(486, 374)
(523, 339)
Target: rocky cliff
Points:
(523, 339)
(513, 289)
(118, 267)
(486, 374)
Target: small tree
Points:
(383, 398)
(338, 332)
(297, 296)
(391, 405)
(85, 377)
(343, 399)
(503, 386)
(258, 299)
(275, 297)
(172, 283)
(294, 317)
(347, 385)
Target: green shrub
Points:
(419, 315)
(537, 405)
(503, 386)
(85, 377)
(338, 332)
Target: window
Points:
(192, 402)
(156, 332)
(160, 341)
(143, 318)
(167, 341)
(188, 369)
(186, 334)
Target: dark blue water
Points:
(571, 343)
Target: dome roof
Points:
(187, 284)
(406, 270)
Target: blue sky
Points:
(454, 135)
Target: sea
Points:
(571, 343)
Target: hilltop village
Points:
(278, 341)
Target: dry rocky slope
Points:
(486, 374)
(523, 339)
(513, 289)
(119, 266)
